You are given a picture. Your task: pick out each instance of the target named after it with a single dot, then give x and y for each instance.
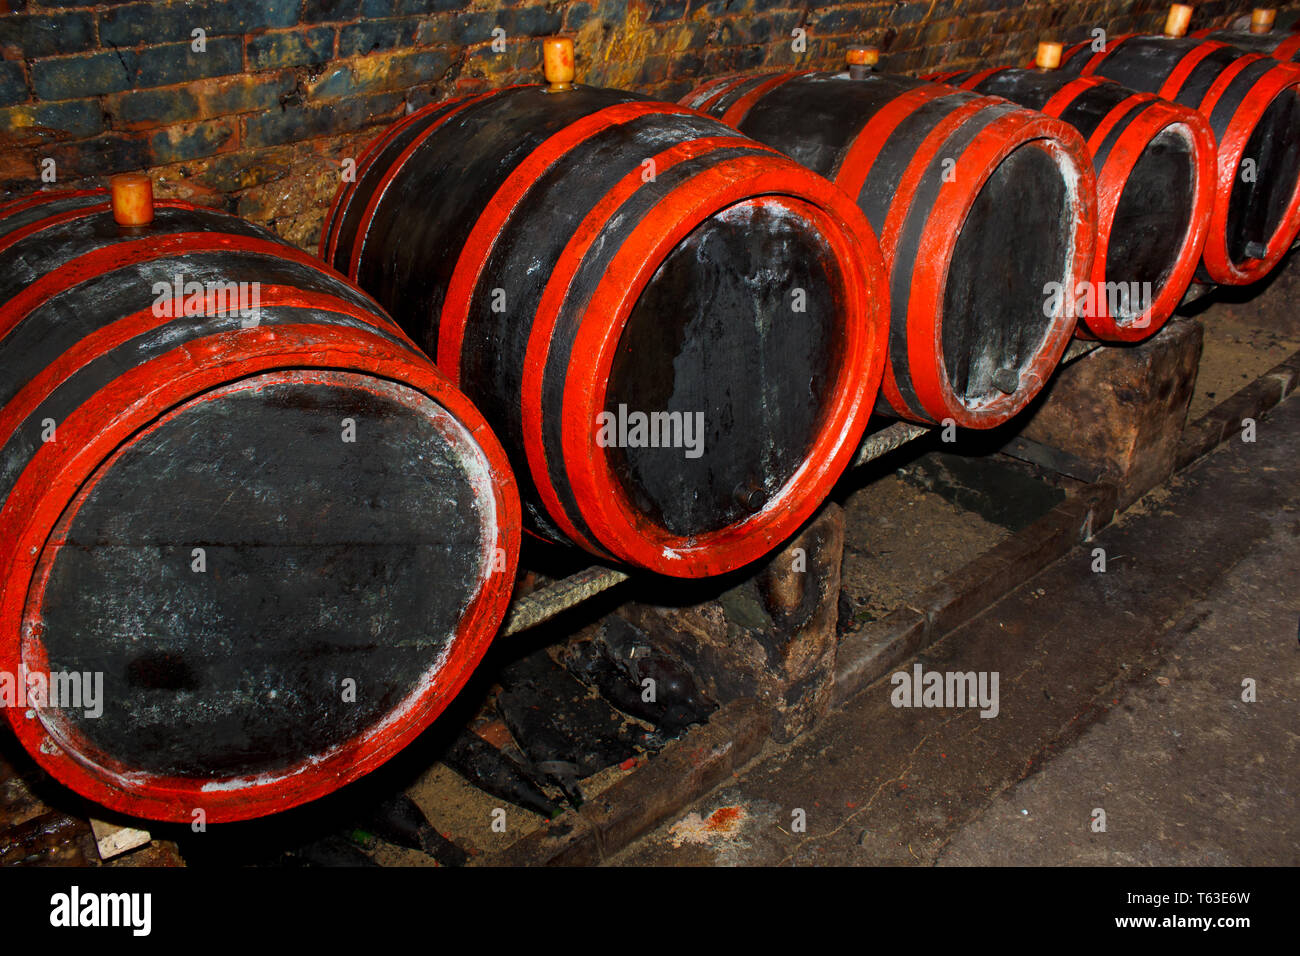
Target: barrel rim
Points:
(604, 503)
(937, 400)
(149, 393)
(554, 294)
(1157, 117)
(989, 149)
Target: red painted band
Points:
(120, 254)
(702, 94)
(108, 337)
(1191, 60)
(368, 214)
(723, 90)
(483, 236)
(1156, 118)
(35, 199)
(1094, 61)
(1022, 129)
(899, 209)
(854, 165)
(737, 111)
(1232, 147)
(1286, 50)
(69, 215)
(1061, 100)
(343, 195)
(1112, 118)
(972, 81)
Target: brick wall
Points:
(255, 113)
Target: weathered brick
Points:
(63, 78)
(27, 37)
(909, 12)
(476, 27)
(177, 143)
(842, 20)
(101, 156)
(13, 84)
(304, 122)
(68, 77)
(378, 73)
(371, 35)
(177, 62)
(330, 11)
(163, 22)
(519, 63)
(734, 59)
(71, 119)
(150, 108)
(663, 10)
(206, 99)
(576, 14)
(242, 169)
(534, 21)
(740, 30)
(290, 48)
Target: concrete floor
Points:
(1119, 691)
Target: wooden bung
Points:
(1049, 55)
(557, 63)
(132, 199)
(862, 60)
(1261, 19)
(1180, 17)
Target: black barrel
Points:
(1252, 103)
(982, 208)
(236, 499)
(677, 332)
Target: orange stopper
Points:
(863, 56)
(1261, 19)
(1180, 17)
(132, 199)
(557, 63)
(1049, 55)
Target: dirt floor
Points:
(1119, 691)
(1247, 332)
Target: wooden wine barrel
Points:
(1275, 33)
(982, 208)
(1278, 44)
(251, 506)
(1252, 103)
(1155, 163)
(601, 274)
